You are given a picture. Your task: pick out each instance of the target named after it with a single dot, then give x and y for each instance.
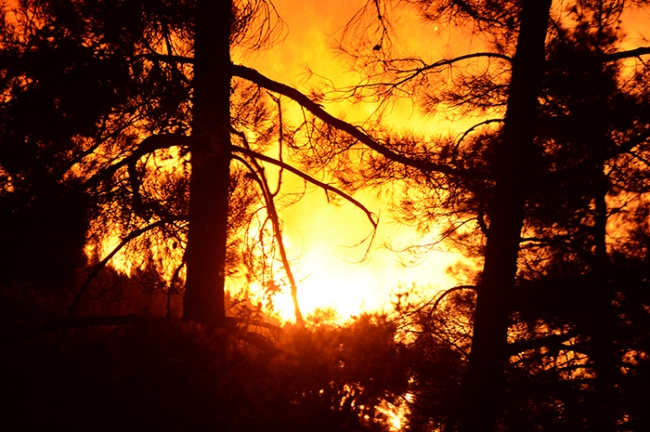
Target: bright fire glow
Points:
(319, 235)
(320, 238)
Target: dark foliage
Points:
(165, 375)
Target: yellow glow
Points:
(319, 238)
(319, 235)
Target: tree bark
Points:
(483, 385)
(210, 159)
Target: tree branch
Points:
(260, 178)
(148, 145)
(445, 293)
(637, 52)
(100, 265)
(318, 111)
(554, 341)
(590, 163)
(308, 178)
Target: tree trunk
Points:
(603, 319)
(210, 158)
(483, 385)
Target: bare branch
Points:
(318, 111)
(637, 52)
(603, 58)
(310, 179)
(260, 177)
(148, 145)
(476, 126)
(448, 62)
(280, 142)
(447, 292)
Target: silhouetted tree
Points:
(534, 180)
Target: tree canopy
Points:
(127, 127)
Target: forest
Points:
(144, 172)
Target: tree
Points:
(512, 174)
(514, 161)
(211, 154)
(573, 252)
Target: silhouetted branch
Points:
(555, 342)
(624, 54)
(148, 145)
(318, 111)
(100, 265)
(412, 73)
(446, 293)
(280, 142)
(260, 178)
(476, 126)
(434, 307)
(308, 178)
(169, 58)
(591, 162)
(603, 58)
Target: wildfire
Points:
(326, 242)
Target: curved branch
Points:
(317, 110)
(148, 145)
(100, 265)
(258, 175)
(477, 125)
(308, 178)
(278, 102)
(480, 219)
(444, 294)
(447, 292)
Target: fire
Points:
(325, 242)
(335, 268)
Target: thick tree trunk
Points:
(483, 385)
(210, 157)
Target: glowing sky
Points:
(318, 235)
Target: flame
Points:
(320, 237)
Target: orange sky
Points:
(318, 235)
